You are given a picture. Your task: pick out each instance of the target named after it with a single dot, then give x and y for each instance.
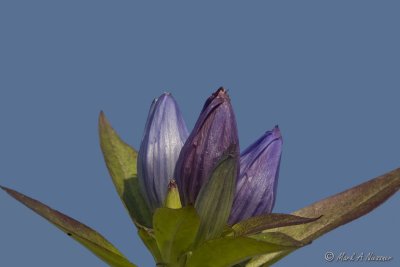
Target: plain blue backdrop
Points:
(326, 71)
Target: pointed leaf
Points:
(259, 223)
(89, 238)
(121, 159)
(150, 242)
(228, 251)
(339, 209)
(175, 231)
(173, 200)
(268, 259)
(215, 199)
(279, 239)
(275, 238)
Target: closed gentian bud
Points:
(172, 200)
(215, 131)
(258, 178)
(164, 136)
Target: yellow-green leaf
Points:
(175, 231)
(228, 251)
(279, 239)
(121, 159)
(215, 198)
(275, 238)
(267, 221)
(148, 238)
(337, 210)
(89, 238)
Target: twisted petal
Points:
(164, 136)
(258, 178)
(215, 131)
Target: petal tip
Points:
(165, 95)
(165, 98)
(221, 92)
(277, 132)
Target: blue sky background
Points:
(326, 71)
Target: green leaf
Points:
(228, 251)
(279, 239)
(267, 221)
(175, 231)
(271, 258)
(338, 210)
(173, 199)
(89, 238)
(215, 199)
(275, 238)
(148, 238)
(121, 159)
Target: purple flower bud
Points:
(164, 136)
(258, 178)
(215, 131)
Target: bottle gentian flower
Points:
(223, 193)
(164, 135)
(258, 178)
(214, 132)
(168, 153)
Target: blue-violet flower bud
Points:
(258, 178)
(215, 131)
(164, 136)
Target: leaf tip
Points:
(7, 190)
(14, 194)
(102, 120)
